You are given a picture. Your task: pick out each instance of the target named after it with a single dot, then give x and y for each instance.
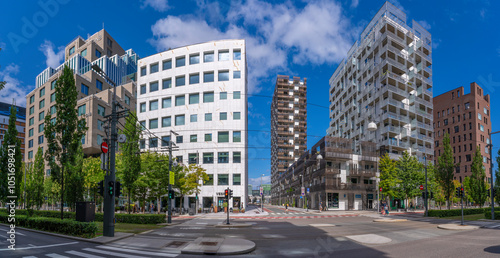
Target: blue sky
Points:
(297, 38)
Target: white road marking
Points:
(56, 256)
(30, 257)
(83, 254)
(109, 253)
(38, 247)
(17, 232)
(137, 251)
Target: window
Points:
(153, 86)
(485, 111)
(165, 140)
(223, 76)
(98, 84)
(32, 110)
(446, 121)
(236, 157)
(32, 99)
(236, 54)
(180, 81)
(210, 180)
(223, 179)
(53, 110)
(127, 100)
(166, 121)
(208, 116)
(208, 76)
(42, 92)
(153, 123)
(223, 116)
(208, 57)
(236, 74)
(99, 139)
(142, 144)
(467, 105)
(85, 89)
(100, 125)
(236, 95)
(223, 137)
(153, 68)
(236, 179)
(72, 50)
(208, 137)
(479, 116)
(84, 52)
(41, 127)
(223, 95)
(237, 136)
(30, 144)
(143, 107)
(470, 126)
(98, 54)
(180, 61)
(194, 59)
(167, 83)
(30, 155)
(153, 142)
(143, 124)
(166, 102)
(100, 110)
(484, 159)
(82, 109)
(456, 129)
(192, 158)
(224, 55)
(109, 53)
(193, 118)
(194, 98)
(194, 78)
(167, 64)
(153, 105)
(179, 139)
(223, 157)
(179, 120)
(143, 89)
(41, 104)
(208, 97)
(193, 138)
(236, 115)
(468, 157)
(180, 100)
(208, 158)
(481, 128)
(31, 132)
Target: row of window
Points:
(180, 61)
(193, 79)
(180, 100)
(222, 137)
(466, 105)
(223, 179)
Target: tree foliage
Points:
(93, 175)
(187, 179)
(389, 177)
(445, 169)
(35, 182)
(411, 176)
(497, 179)
(11, 159)
(477, 180)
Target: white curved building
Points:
(200, 92)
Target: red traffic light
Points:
(226, 193)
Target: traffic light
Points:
(230, 193)
(111, 188)
(100, 188)
(432, 195)
(457, 192)
(226, 194)
(118, 190)
(171, 194)
(462, 192)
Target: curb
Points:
(226, 246)
(238, 225)
(389, 220)
(457, 227)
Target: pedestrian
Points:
(386, 208)
(320, 206)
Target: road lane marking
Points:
(38, 247)
(56, 256)
(109, 253)
(83, 254)
(17, 232)
(137, 251)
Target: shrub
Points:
(487, 214)
(66, 227)
(458, 212)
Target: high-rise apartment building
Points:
(288, 126)
(200, 93)
(467, 119)
(20, 123)
(386, 79)
(94, 92)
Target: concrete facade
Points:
(199, 92)
(466, 118)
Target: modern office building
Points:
(467, 119)
(288, 125)
(20, 123)
(94, 92)
(335, 176)
(386, 79)
(199, 92)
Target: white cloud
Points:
(53, 58)
(13, 90)
(425, 24)
(354, 3)
(255, 182)
(158, 5)
(274, 33)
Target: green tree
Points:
(75, 189)
(389, 180)
(93, 175)
(433, 185)
(141, 190)
(35, 179)
(410, 174)
(477, 181)
(188, 179)
(65, 134)
(445, 170)
(52, 191)
(11, 160)
(131, 159)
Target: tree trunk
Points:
(128, 207)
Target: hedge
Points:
(487, 214)
(458, 212)
(120, 217)
(66, 227)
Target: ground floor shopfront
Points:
(335, 200)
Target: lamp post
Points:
(426, 193)
(169, 220)
(491, 175)
(261, 195)
(372, 127)
(319, 158)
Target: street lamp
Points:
(372, 127)
(261, 195)
(491, 175)
(170, 171)
(319, 158)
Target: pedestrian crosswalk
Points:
(284, 212)
(105, 251)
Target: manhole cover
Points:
(175, 244)
(209, 243)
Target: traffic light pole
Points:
(426, 193)
(227, 201)
(169, 219)
(109, 196)
(462, 201)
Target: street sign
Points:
(172, 178)
(261, 190)
(308, 190)
(381, 189)
(104, 147)
(303, 191)
(421, 187)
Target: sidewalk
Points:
(251, 211)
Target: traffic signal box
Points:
(111, 188)
(100, 188)
(118, 190)
(171, 194)
(226, 194)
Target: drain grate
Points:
(208, 243)
(175, 244)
